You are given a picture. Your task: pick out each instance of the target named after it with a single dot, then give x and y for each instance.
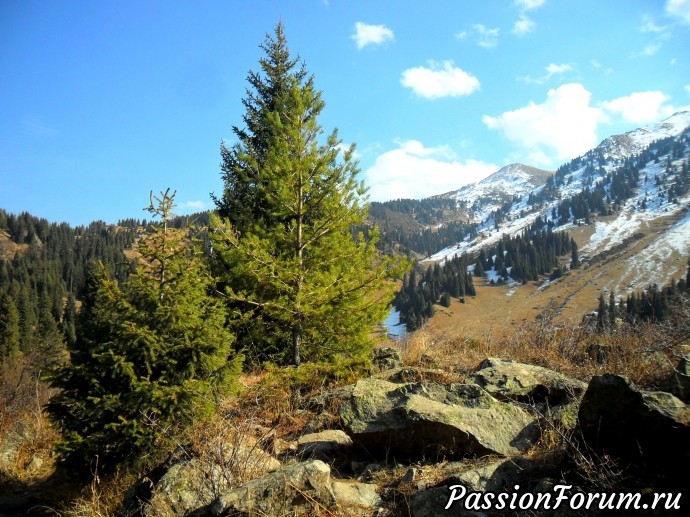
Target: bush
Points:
(148, 356)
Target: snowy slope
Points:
(628, 144)
(490, 193)
(650, 201)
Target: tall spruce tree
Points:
(574, 256)
(148, 355)
(244, 201)
(302, 286)
(10, 335)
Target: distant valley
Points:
(626, 203)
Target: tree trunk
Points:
(296, 342)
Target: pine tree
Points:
(575, 258)
(302, 285)
(69, 319)
(445, 300)
(148, 354)
(612, 310)
(245, 202)
(10, 336)
(601, 314)
(479, 268)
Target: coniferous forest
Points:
(139, 344)
(522, 258)
(211, 348)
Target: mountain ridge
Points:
(626, 204)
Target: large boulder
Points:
(430, 419)
(194, 482)
(300, 489)
(324, 444)
(352, 494)
(385, 358)
(509, 380)
(647, 428)
(305, 488)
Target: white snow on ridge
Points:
(632, 142)
(643, 267)
(649, 202)
(490, 193)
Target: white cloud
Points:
(366, 34)
(641, 107)
(650, 26)
(649, 50)
(439, 80)
(192, 205)
(529, 4)
(679, 9)
(415, 171)
(551, 70)
(524, 25)
(486, 38)
(565, 124)
(562, 127)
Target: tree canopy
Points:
(148, 354)
(301, 285)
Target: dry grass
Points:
(101, 498)
(500, 311)
(27, 435)
(277, 405)
(645, 353)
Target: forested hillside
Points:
(43, 272)
(521, 258)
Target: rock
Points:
(10, 447)
(185, 486)
(365, 472)
(353, 494)
(479, 479)
(648, 428)
(433, 502)
(431, 419)
(322, 421)
(195, 482)
(409, 476)
(413, 374)
(508, 380)
(680, 383)
(323, 444)
(385, 358)
(299, 489)
(563, 416)
(496, 476)
(428, 361)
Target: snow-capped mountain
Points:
(492, 192)
(628, 196)
(619, 147)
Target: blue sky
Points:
(101, 102)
